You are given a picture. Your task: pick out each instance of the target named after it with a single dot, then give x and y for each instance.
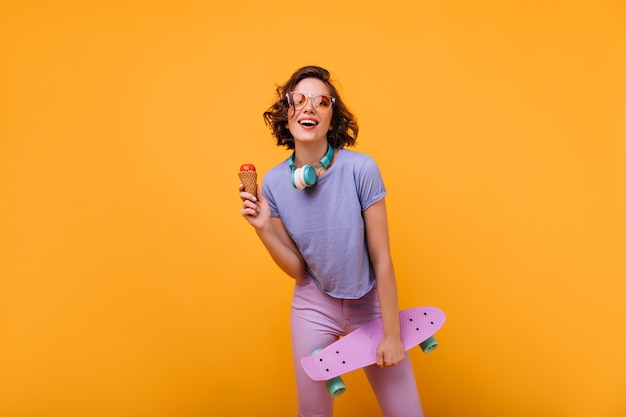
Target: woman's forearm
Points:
(282, 250)
(388, 297)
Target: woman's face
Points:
(311, 122)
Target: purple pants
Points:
(317, 320)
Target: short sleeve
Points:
(267, 193)
(369, 182)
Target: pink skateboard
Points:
(358, 349)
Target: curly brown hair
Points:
(344, 125)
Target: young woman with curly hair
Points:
(323, 219)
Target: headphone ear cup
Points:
(300, 179)
(297, 180)
(309, 177)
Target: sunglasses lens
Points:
(298, 99)
(322, 102)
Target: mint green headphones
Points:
(306, 176)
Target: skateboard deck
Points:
(358, 348)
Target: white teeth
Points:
(308, 122)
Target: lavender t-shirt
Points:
(326, 221)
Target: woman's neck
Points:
(310, 153)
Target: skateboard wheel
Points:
(429, 344)
(335, 386)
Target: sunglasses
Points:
(298, 100)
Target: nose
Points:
(308, 105)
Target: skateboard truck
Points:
(429, 344)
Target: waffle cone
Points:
(248, 179)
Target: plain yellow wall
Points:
(130, 286)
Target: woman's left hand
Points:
(390, 352)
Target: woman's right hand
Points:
(255, 209)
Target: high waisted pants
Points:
(317, 320)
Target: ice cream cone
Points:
(248, 179)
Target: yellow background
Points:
(130, 286)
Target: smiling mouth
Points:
(308, 123)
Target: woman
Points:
(323, 219)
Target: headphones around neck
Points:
(306, 176)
